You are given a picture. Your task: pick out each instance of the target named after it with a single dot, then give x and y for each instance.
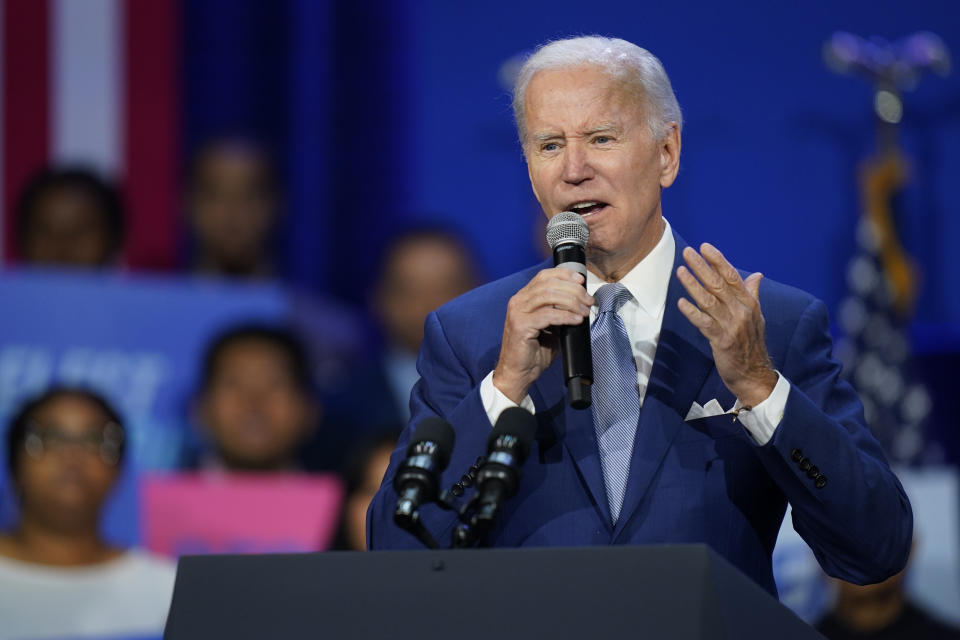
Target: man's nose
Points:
(576, 165)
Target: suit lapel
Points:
(682, 363)
(573, 427)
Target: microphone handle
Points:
(575, 340)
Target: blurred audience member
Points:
(233, 209)
(58, 576)
(69, 217)
(363, 474)
(880, 612)
(256, 403)
(421, 270)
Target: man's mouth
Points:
(587, 208)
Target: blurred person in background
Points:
(69, 217)
(256, 405)
(420, 270)
(362, 473)
(880, 611)
(58, 576)
(233, 205)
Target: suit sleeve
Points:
(451, 390)
(847, 503)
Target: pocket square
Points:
(710, 409)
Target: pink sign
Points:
(217, 512)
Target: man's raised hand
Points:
(726, 310)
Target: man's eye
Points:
(602, 139)
(550, 146)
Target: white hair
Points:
(623, 60)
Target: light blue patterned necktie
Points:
(616, 398)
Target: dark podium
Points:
(670, 592)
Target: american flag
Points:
(876, 354)
(95, 82)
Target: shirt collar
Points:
(647, 282)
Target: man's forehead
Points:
(580, 99)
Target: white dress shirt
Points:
(642, 316)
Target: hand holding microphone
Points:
(541, 315)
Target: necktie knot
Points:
(610, 297)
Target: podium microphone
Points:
(567, 235)
(418, 477)
(498, 478)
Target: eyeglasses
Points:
(104, 444)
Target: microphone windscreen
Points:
(567, 228)
(438, 431)
(516, 422)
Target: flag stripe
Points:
(152, 131)
(26, 100)
(85, 77)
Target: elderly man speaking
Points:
(716, 397)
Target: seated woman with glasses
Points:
(58, 576)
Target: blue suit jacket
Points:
(701, 481)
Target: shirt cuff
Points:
(762, 420)
(495, 403)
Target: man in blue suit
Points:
(710, 411)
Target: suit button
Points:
(813, 472)
(805, 464)
(820, 482)
(796, 455)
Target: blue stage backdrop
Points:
(386, 113)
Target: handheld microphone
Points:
(418, 477)
(507, 448)
(567, 235)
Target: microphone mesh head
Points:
(567, 228)
(516, 422)
(436, 430)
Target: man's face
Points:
(67, 228)
(590, 150)
(422, 275)
(254, 408)
(233, 207)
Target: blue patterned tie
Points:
(616, 398)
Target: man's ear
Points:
(669, 155)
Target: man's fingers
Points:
(560, 274)
(702, 269)
(705, 300)
(720, 264)
(735, 284)
(753, 284)
(559, 317)
(555, 294)
(697, 318)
